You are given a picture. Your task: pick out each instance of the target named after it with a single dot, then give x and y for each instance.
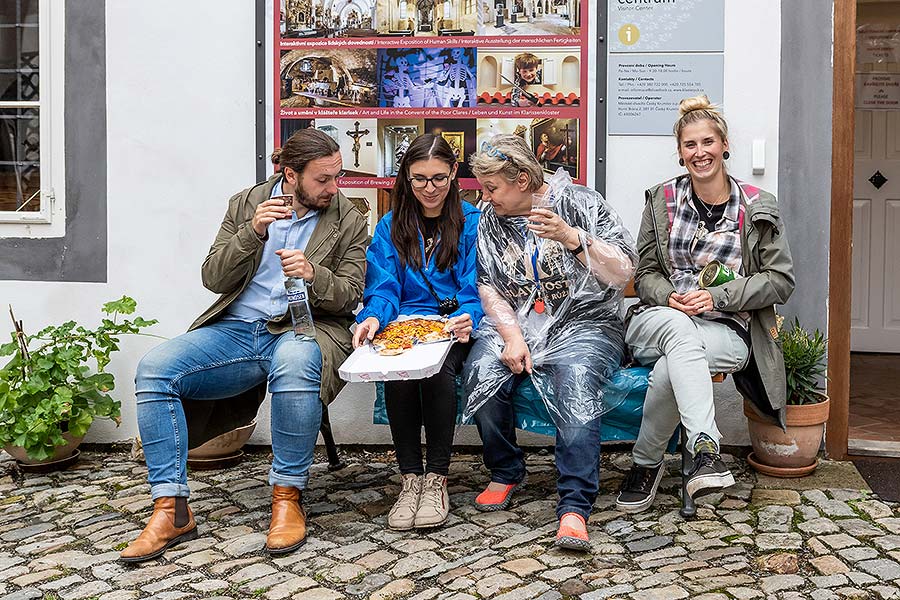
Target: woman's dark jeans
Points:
(577, 446)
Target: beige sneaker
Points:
(403, 513)
(434, 506)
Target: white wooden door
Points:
(875, 315)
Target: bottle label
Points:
(297, 294)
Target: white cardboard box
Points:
(419, 362)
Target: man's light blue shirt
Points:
(265, 298)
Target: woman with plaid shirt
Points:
(687, 333)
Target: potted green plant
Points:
(793, 452)
(56, 383)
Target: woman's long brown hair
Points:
(407, 211)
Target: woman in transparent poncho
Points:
(553, 259)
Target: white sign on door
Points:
(878, 91)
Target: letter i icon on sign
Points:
(629, 34)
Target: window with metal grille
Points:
(20, 143)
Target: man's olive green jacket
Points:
(337, 251)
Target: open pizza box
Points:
(419, 362)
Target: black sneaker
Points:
(639, 488)
(708, 475)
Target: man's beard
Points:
(310, 202)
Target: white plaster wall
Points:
(180, 111)
(181, 142)
(751, 104)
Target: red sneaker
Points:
(490, 500)
(573, 538)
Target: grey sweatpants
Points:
(684, 351)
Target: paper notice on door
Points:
(878, 44)
(878, 91)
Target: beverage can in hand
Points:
(715, 273)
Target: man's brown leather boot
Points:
(287, 531)
(172, 522)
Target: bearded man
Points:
(213, 378)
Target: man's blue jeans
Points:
(220, 361)
(577, 449)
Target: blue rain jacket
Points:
(392, 291)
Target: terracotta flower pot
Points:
(60, 453)
(790, 453)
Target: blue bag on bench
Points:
(626, 390)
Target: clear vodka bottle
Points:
(298, 306)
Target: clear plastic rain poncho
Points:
(569, 312)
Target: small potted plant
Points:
(793, 452)
(56, 384)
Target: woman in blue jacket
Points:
(422, 262)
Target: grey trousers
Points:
(684, 352)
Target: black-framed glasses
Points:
(438, 181)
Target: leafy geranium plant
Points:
(56, 381)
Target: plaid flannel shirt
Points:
(691, 247)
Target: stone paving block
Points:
(884, 592)
(779, 541)
(603, 594)
(829, 565)
(829, 581)
(13, 572)
(120, 595)
(523, 567)
(244, 545)
(289, 587)
(536, 589)
(775, 518)
(887, 542)
(858, 553)
(411, 546)
(414, 563)
(61, 583)
(838, 541)
(86, 590)
(146, 573)
(26, 594)
(427, 594)
(490, 586)
(395, 589)
(818, 526)
(45, 545)
(319, 593)
(671, 592)
(881, 568)
(31, 578)
(376, 560)
(860, 579)
(343, 573)
(858, 528)
(777, 583)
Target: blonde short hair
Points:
(507, 155)
(699, 108)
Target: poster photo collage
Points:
(374, 74)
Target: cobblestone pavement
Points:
(60, 535)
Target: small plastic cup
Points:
(288, 201)
(541, 201)
(683, 281)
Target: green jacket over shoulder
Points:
(768, 280)
(337, 251)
